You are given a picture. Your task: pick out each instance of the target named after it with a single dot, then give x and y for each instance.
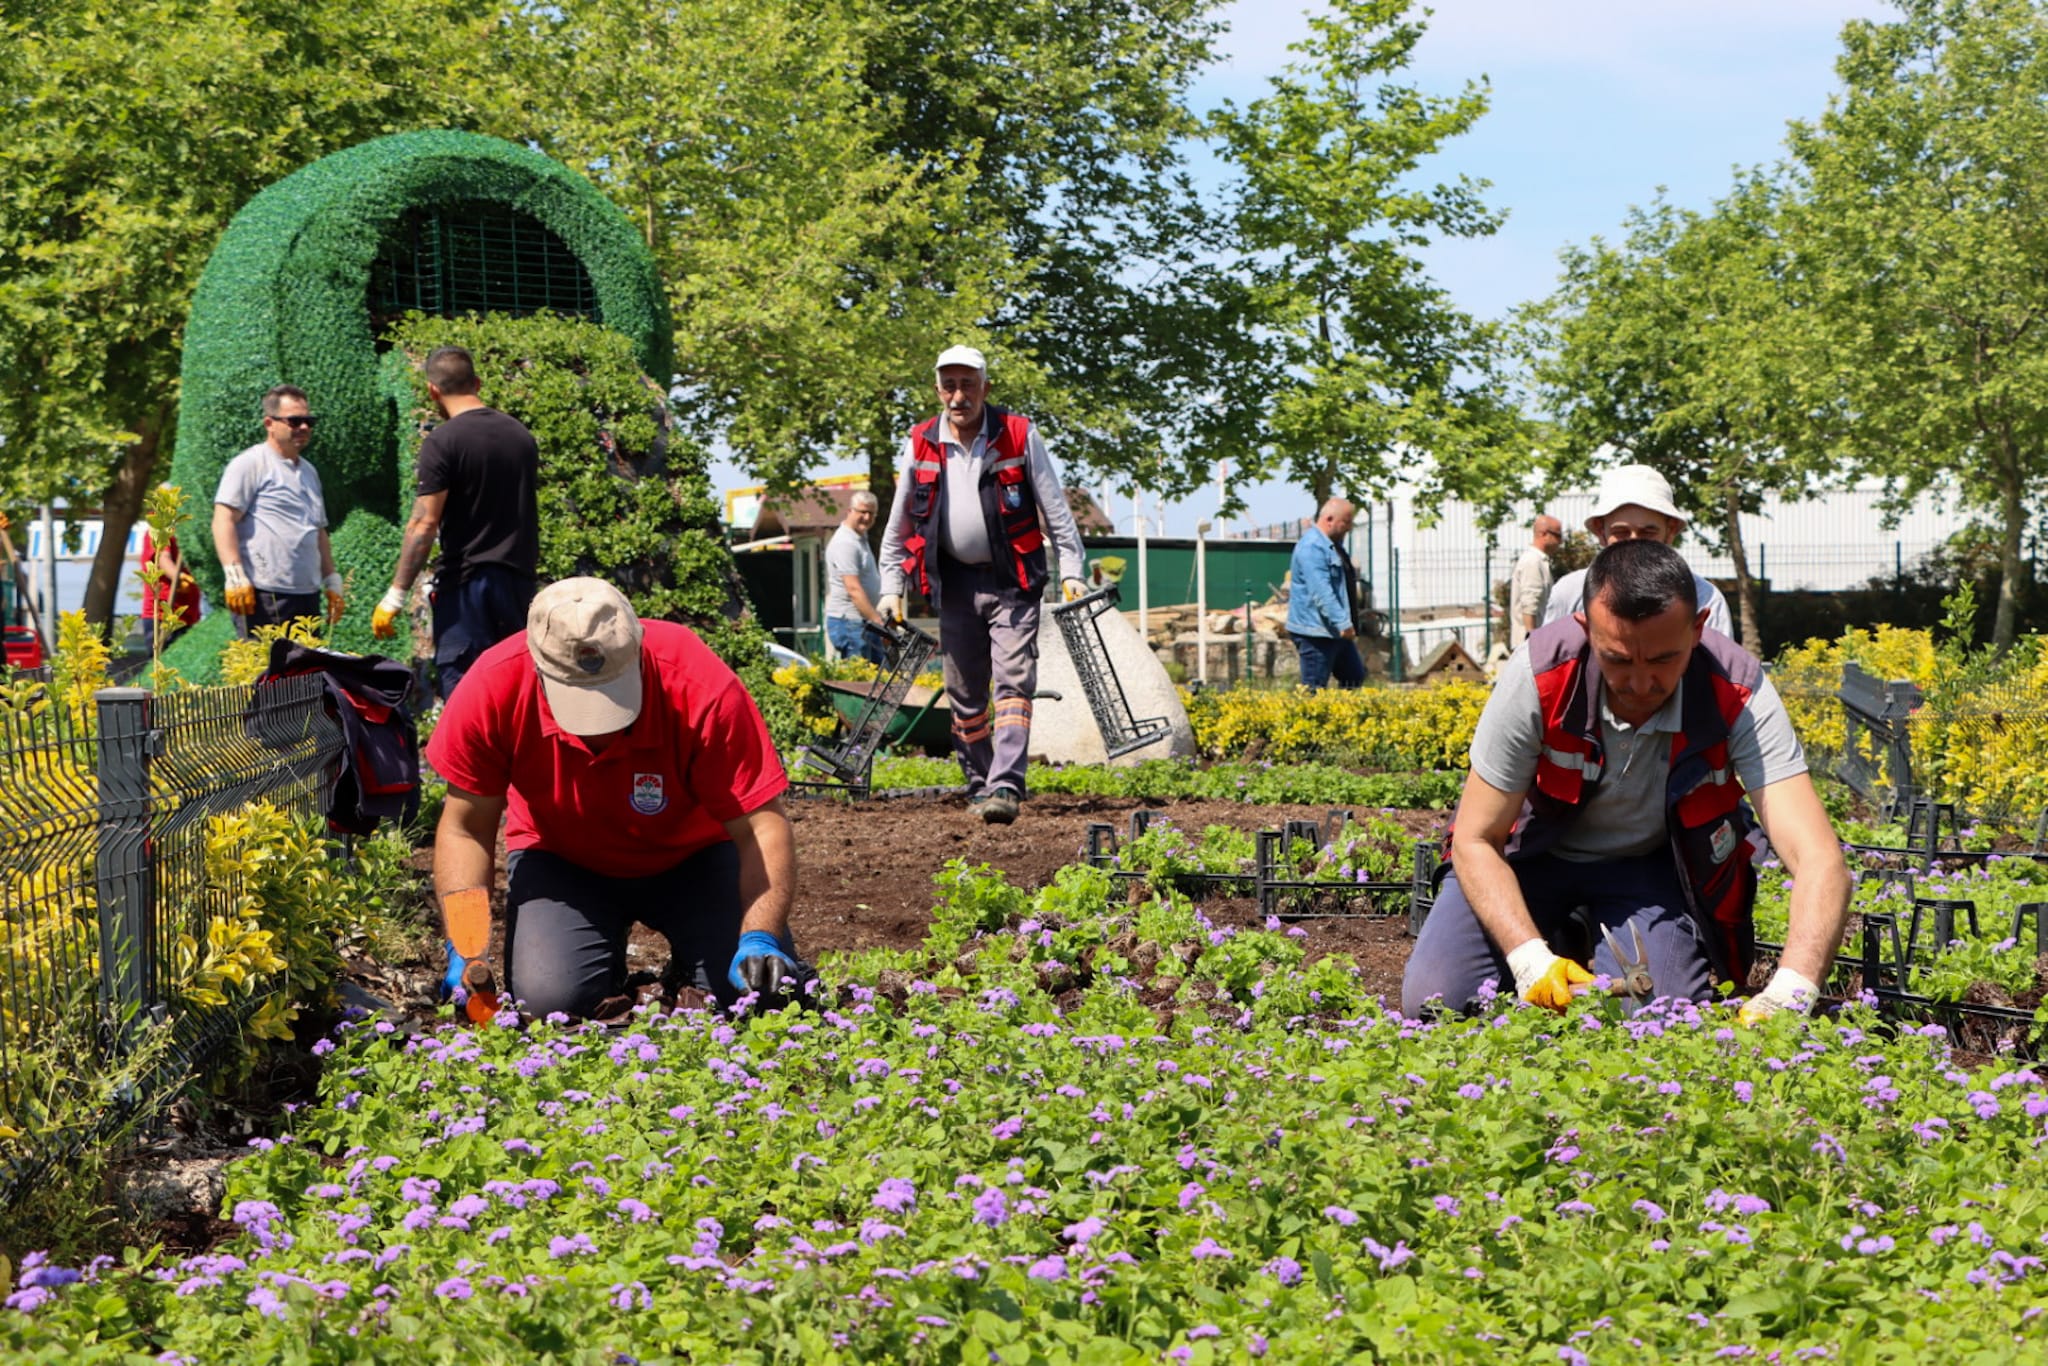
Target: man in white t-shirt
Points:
(1634, 504)
(1529, 585)
(270, 523)
(853, 583)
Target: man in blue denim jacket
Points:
(1319, 603)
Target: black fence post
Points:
(121, 871)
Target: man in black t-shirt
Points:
(476, 480)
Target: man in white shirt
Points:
(1634, 504)
(853, 584)
(1529, 585)
(270, 523)
(975, 498)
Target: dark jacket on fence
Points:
(378, 771)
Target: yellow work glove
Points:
(333, 587)
(1544, 979)
(1073, 588)
(1787, 990)
(890, 608)
(384, 621)
(185, 584)
(241, 594)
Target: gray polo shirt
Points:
(1625, 818)
(279, 514)
(847, 553)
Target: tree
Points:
(1368, 361)
(1924, 231)
(129, 136)
(1671, 349)
(1121, 329)
(806, 260)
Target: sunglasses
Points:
(296, 422)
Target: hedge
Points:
(284, 299)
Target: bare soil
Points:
(866, 869)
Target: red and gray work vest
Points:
(1708, 823)
(1009, 502)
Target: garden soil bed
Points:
(866, 869)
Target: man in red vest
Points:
(974, 500)
(1609, 776)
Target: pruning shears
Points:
(1633, 978)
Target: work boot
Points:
(999, 807)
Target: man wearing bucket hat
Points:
(1634, 503)
(638, 783)
(975, 498)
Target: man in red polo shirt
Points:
(638, 783)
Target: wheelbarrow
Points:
(925, 718)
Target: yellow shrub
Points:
(1390, 727)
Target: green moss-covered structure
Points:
(440, 222)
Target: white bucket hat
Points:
(1638, 484)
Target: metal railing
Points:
(104, 813)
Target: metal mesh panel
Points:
(1983, 753)
(49, 940)
(478, 258)
(103, 866)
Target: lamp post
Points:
(1202, 600)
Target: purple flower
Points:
(1190, 1193)
(1285, 1270)
(1650, 1210)
(1053, 1268)
(992, 1209)
(1008, 1128)
(635, 1210)
(1341, 1215)
(559, 1247)
(896, 1196)
(455, 1288)
(1205, 1330)
(1209, 1249)
(264, 1300)
(1447, 1205)
(1389, 1257)
(623, 1296)
(1079, 1234)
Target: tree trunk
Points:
(2011, 564)
(1745, 586)
(118, 511)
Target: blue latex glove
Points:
(452, 978)
(762, 950)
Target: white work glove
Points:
(1073, 588)
(1542, 978)
(1787, 990)
(890, 608)
(241, 594)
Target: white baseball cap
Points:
(961, 355)
(584, 637)
(1638, 484)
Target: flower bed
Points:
(1056, 1135)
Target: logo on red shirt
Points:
(648, 797)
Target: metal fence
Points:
(104, 812)
(1975, 755)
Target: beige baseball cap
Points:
(584, 637)
(961, 355)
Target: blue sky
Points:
(1594, 105)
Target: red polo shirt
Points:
(698, 756)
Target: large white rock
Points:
(1064, 730)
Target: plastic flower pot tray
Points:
(1103, 852)
(1080, 624)
(1283, 893)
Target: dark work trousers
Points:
(470, 617)
(1452, 955)
(1327, 659)
(566, 927)
(275, 609)
(988, 634)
